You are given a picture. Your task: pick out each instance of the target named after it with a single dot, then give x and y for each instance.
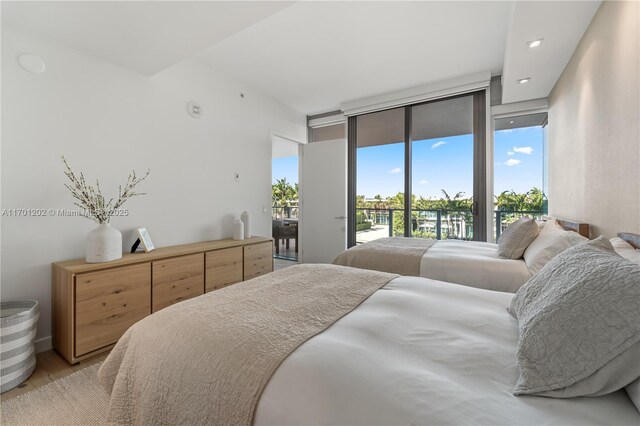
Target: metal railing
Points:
(426, 223)
(290, 212)
(432, 223)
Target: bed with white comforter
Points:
(475, 264)
(405, 350)
(412, 353)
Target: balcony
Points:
(438, 224)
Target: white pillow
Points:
(625, 249)
(551, 241)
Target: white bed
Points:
(475, 264)
(471, 263)
(421, 354)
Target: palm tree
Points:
(283, 193)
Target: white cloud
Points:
(424, 182)
(395, 171)
(523, 149)
(510, 152)
(438, 144)
(512, 162)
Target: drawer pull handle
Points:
(117, 291)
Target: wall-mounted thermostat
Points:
(194, 109)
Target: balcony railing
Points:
(290, 212)
(436, 223)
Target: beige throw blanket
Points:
(398, 255)
(207, 360)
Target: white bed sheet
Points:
(421, 352)
(474, 264)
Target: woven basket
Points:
(18, 323)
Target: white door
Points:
(323, 189)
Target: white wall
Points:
(107, 121)
(594, 126)
(281, 147)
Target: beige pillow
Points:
(551, 241)
(517, 237)
(625, 249)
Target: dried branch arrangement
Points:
(91, 200)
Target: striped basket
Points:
(18, 323)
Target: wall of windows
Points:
(419, 170)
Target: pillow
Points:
(517, 237)
(579, 321)
(634, 392)
(625, 249)
(551, 241)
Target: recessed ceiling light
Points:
(524, 80)
(534, 43)
(512, 121)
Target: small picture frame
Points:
(145, 239)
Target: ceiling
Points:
(144, 36)
(314, 56)
(561, 25)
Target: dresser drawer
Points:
(107, 303)
(258, 260)
(224, 267)
(177, 279)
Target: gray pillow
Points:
(579, 321)
(634, 392)
(517, 237)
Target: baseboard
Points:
(43, 344)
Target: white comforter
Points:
(421, 354)
(473, 263)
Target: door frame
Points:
(272, 138)
(480, 178)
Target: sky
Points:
(447, 163)
(444, 163)
(285, 167)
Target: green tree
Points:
(532, 200)
(283, 193)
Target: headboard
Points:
(571, 225)
(633, 239)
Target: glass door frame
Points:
(479, 209)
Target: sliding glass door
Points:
(380, 175)
(419, 171)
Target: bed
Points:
(471, 263)
(415, 351)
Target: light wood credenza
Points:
(95, 303)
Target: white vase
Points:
(103, 244)
(246, 219)
(238, 230)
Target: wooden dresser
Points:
(95, 303)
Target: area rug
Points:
(77, 399)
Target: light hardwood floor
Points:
(49, 367)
